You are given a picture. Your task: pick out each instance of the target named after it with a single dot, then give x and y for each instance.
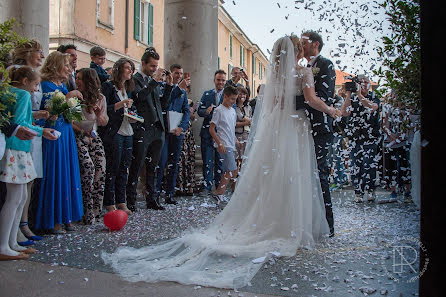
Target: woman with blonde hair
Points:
(60, 199)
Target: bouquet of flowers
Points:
(57, 105)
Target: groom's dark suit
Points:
(322, 126)
(148, 137)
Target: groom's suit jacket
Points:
(324, 86)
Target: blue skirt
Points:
(60, 198)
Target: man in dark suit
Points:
(322, 124)
(148, 138)
(212, 167)
(70, 49)
(170, 154)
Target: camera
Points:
(242, 70)
(351, 85)
(166, 72)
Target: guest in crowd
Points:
(60, 199)
(170, 153)
(253, 101)
(70, 49)
(186, 182)
(211, 157)
(149, 136)
(31, 54)
(364, 134)
(244, 116)
(97, 56)
(89, 144)
(238, 74)
(396, 127)
(117, 135)
(339, 150)
(16, 166)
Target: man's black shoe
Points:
(132, 207)
(169, 200)
(153, 203)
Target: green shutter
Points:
(150, 37)
(241, 56)
(136, 19)
(218, 63)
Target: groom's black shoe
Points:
(331, 234)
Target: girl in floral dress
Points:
(16, 167)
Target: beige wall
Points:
(84, 30)
(225, 59)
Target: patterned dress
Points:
(186, 183)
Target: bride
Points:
(277, 206)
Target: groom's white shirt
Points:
(313, 60)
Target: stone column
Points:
(191, 40)
(32, 18)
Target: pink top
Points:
(90, 119)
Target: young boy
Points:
(224, 119)
(97, 55)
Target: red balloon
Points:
(115, 219)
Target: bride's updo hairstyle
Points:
(296, 43)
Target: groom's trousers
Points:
(322, 144)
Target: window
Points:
(230, 46)
(253, 66)
(143, 22)
(218, 63)
(242, 56)
(260, 70)
(105, 10)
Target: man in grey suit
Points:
(148, 138)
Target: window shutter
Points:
(150, 38)
(136, 19)
(218, 63)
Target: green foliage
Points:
(8, 40)
(401, 53)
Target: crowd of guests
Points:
(127, 135)
(78, 168)
(372, 143)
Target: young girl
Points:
(16, 167)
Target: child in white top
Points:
(222, 130)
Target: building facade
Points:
(126, 28)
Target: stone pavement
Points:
(373, 253)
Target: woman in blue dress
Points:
(60, 199)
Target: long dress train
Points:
(277, 205)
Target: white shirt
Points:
(125, 129)
(313, 60)
(225, 119)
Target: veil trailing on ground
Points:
(277, 206)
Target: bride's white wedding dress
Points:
(277, 205)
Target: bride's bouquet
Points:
(57, 105)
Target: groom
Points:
(324, 85)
